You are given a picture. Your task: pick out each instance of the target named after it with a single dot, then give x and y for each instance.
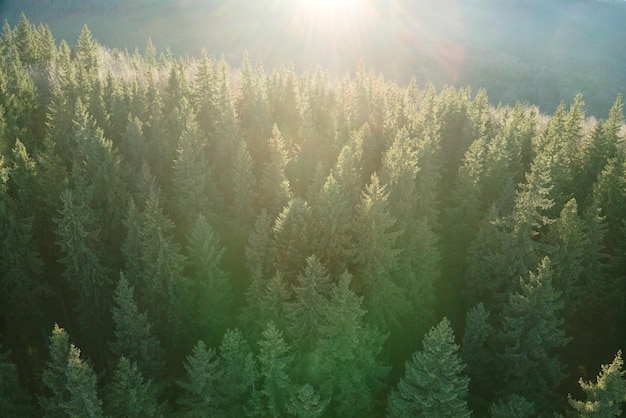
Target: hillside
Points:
(539, 52)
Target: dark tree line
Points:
(179, 237)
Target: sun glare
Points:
(329, 8)
(338, 22)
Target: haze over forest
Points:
(539, 52)
(312, 228)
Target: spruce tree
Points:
(477, 353)
(348, 370)
(275, 362)
(433, 384)
(532, 335)
(71, 383)
(129, 394)
(605, 397)
(239, 366)
(134, 338)
(306, 403)
(200, 396)
(376, 257)
(514, 406)
(13, 399)
(210, 285)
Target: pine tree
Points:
(433, 384)
(129, 394)
(478, 354)
(304, 314)
(331, 228)
(348, 369)
(134, 338)
(376, 257)
(156, 266)
(82, 387)
(275, 190)
(240, 372)
(514, 406)
(78, 236)
(306, 403)
(194, 192)
(87, 51)
(242, 206)
(274, 364)
(13, 399)
(71, 381)
(532, 335)
(580, 264)
(291, 240)
(606, 397)
(200, 397)
(210, 284)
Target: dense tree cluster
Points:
(238, 242)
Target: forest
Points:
(532, 51)
(187, 237)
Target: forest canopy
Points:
(179, 236)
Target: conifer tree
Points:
(194, 191)
(200, 397)
(239, 372)
(304, 314)
(306, 403)
(134, 338)
(433, 384)
(376, 257)
(514, 406)
(349, 370)
(606, 397)
(244, 196)
(275, 362)
(78, 235)
(275, 190)
(580, 264)
(331, 228)
(532, 335)
(157, 266)
(477, 354)
(129, 394)
(13, 399)
(291, 238)
(210, 284)
(87, 51)
(70, 381)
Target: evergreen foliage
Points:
(606, 397)
(433, 384)
(305, 231)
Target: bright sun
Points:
(331, 18)
(329, 7)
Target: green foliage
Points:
(348, 368)
(514, 406)
(348, 213)
(606, 397)
(532, 335)
(210, 285)
(13, 399)
(200, 397)
(306, 403)
(433, 384)
(134, 338)
(71, 383)
(129, 394)
(274, 364)
(239, 372)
